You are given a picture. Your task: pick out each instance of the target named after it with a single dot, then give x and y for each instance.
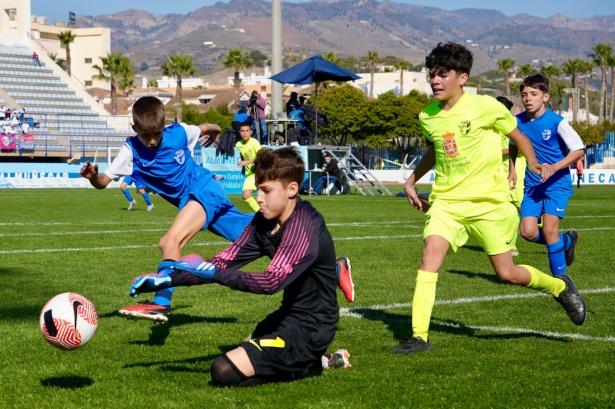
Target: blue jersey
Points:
(169, 170)
(552, 137)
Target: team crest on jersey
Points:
(180, 156)
(465, 127)
(450, 145)
(546, 134)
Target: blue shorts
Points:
(535, 203)
(222, 217)
(129, 181)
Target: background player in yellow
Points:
(470, 194)
(248, 148)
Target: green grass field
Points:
(494, 345)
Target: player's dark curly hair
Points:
(449, 56)
(537, 81)
(148, 113)
(283, 164)
(505, 101)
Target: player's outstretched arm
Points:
(524, 145)
(90, 172)
(210, 133)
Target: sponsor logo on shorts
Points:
(559, 210)
(509, 241)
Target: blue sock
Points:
(557, 260)
(127, 194)
(146, 197)
(163, 297)
(540, 239)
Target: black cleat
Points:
(572, 301)
(569, 254)
(415, 344)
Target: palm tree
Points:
(573, 68)
(115, 68)
(550, 71)
(587, 68)
(331, 57)
(610, 62)
(372, 58)
(402, 65)
(504, 66)
(525, 70)
(237, 59)
(601, 53)
(179, 66)
(66, 38)
(557, 90)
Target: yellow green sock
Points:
(253, 204)
(422, 304)
(543, 282)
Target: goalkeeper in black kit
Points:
(290, 342)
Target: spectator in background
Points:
(301, 100)
(333, 172)
(296, 114)
(96, 99)
(22, 114)
(242, 116)
(25, 128)
(257, 113)
(579, 172)
(35, 60)
(292, 100)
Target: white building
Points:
(390, 81)
(171, 82)
(253, 78)
(581, 116)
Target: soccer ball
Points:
(68, 321)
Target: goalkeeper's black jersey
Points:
(302, 264)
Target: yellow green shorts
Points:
(249, 183)
(493, 224)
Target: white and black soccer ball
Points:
(68, 321)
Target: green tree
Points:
(58, 60)
(557, 90)
(526, 70)
(550, 71)
(601, 53)
(610, 62)
(179, 66)
(235, 58)
(258, 57)
(587, 68)
(573, 68)
(344, 106)
(504, 67)
(590, 134)
(114, 68)
(402, 65)
(372, 58)
(331, 57)
(394, 120)
(66, 39)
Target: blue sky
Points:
(59, 9)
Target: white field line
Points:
(107, 223)
(70, 233)
(356, 312)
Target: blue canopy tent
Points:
(314, 69)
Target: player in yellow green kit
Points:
(470, 194)
(248, 148)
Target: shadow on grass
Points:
(67, 382)
(160, 332)
(401, 327)
(492, 278)
(179, 365)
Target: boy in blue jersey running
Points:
(161, 159)
(126, 182)
(557, 146)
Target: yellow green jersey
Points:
(467, 142)
(248, 151)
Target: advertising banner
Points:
(8, 142)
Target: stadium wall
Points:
(62, 175)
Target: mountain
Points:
(351, 28)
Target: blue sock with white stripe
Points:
(557, 259)
(146, 197)
(127, 194)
